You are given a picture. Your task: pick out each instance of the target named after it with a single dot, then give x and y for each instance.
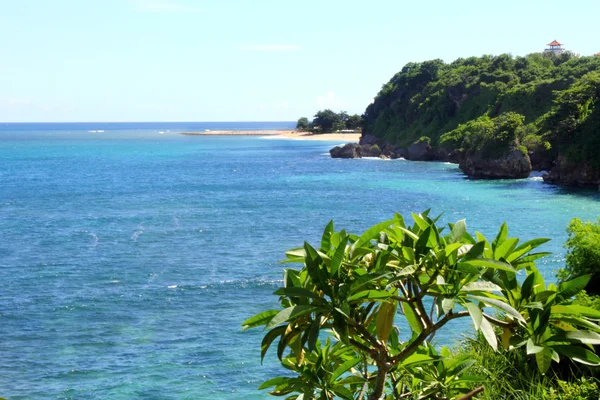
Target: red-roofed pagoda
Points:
(555, 47)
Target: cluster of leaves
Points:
(338, 332)
(326, 121)
(489, 136)
(557, 96)
(583, 256)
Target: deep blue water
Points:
(129, 258)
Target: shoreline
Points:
(284, 134)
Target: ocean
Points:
(130, 254)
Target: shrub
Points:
(337, 332)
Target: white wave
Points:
(278, 137)
(172, 287)
(95, 237)
(536, 178)
(136, 234)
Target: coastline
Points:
(287, 134)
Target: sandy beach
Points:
(290, 134)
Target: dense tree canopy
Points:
(557, 97)
(326, 121)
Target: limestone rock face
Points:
(573, 174)
(349, 150)
(513, 165)
(419, 151)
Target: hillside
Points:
(546, 106)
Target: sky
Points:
(249, 60)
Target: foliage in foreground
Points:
(338, 334)
(583, 255)
(510, 375)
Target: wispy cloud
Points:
(22, 104)
(271, 47)
(330, 100)
(164, 7)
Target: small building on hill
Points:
(597, 54)
(555, 47)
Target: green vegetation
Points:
(326, 121)
(338, 333)
(546, 103)
(583, 255)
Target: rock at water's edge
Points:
(349, 150)
(514, 165)
(573, 174)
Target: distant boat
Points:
(207, 130)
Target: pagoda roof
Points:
(555, 43)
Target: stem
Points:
(380, 382)
(472, 393)
(413, 346)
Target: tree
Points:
(326, 120)
(354, 122)
(302, 124)
(583, 255)
(337, 335)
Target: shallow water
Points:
(129, 258)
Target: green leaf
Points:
(326, 238)
(474, 252)
(585, 337)
(420, 221)
(447, 305)
(476, 314)
(480, 287)
(338, 257)
(532, 348)
(417, 359)
(297, 292)
(288, 313)
(370, 234)
(543, 360)
(507, 308)
(411, 317)
(489, 263)
(343, 368)
(505, 248)
(458, 231)
(571, 288)
(532, 244)
(273, 382)
(385, 320)
(488, 333)
(501, 237)
(576, 310)
(268, 339)
(578, 354)
(370, 295)
(259, 319)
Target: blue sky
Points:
(249, 60)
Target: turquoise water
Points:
(129, 258)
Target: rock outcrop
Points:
(513, 165)
(349, 150)
(572, 174)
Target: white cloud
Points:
(271, 47)
(330, 100)
(5, 103)
(164, 7)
